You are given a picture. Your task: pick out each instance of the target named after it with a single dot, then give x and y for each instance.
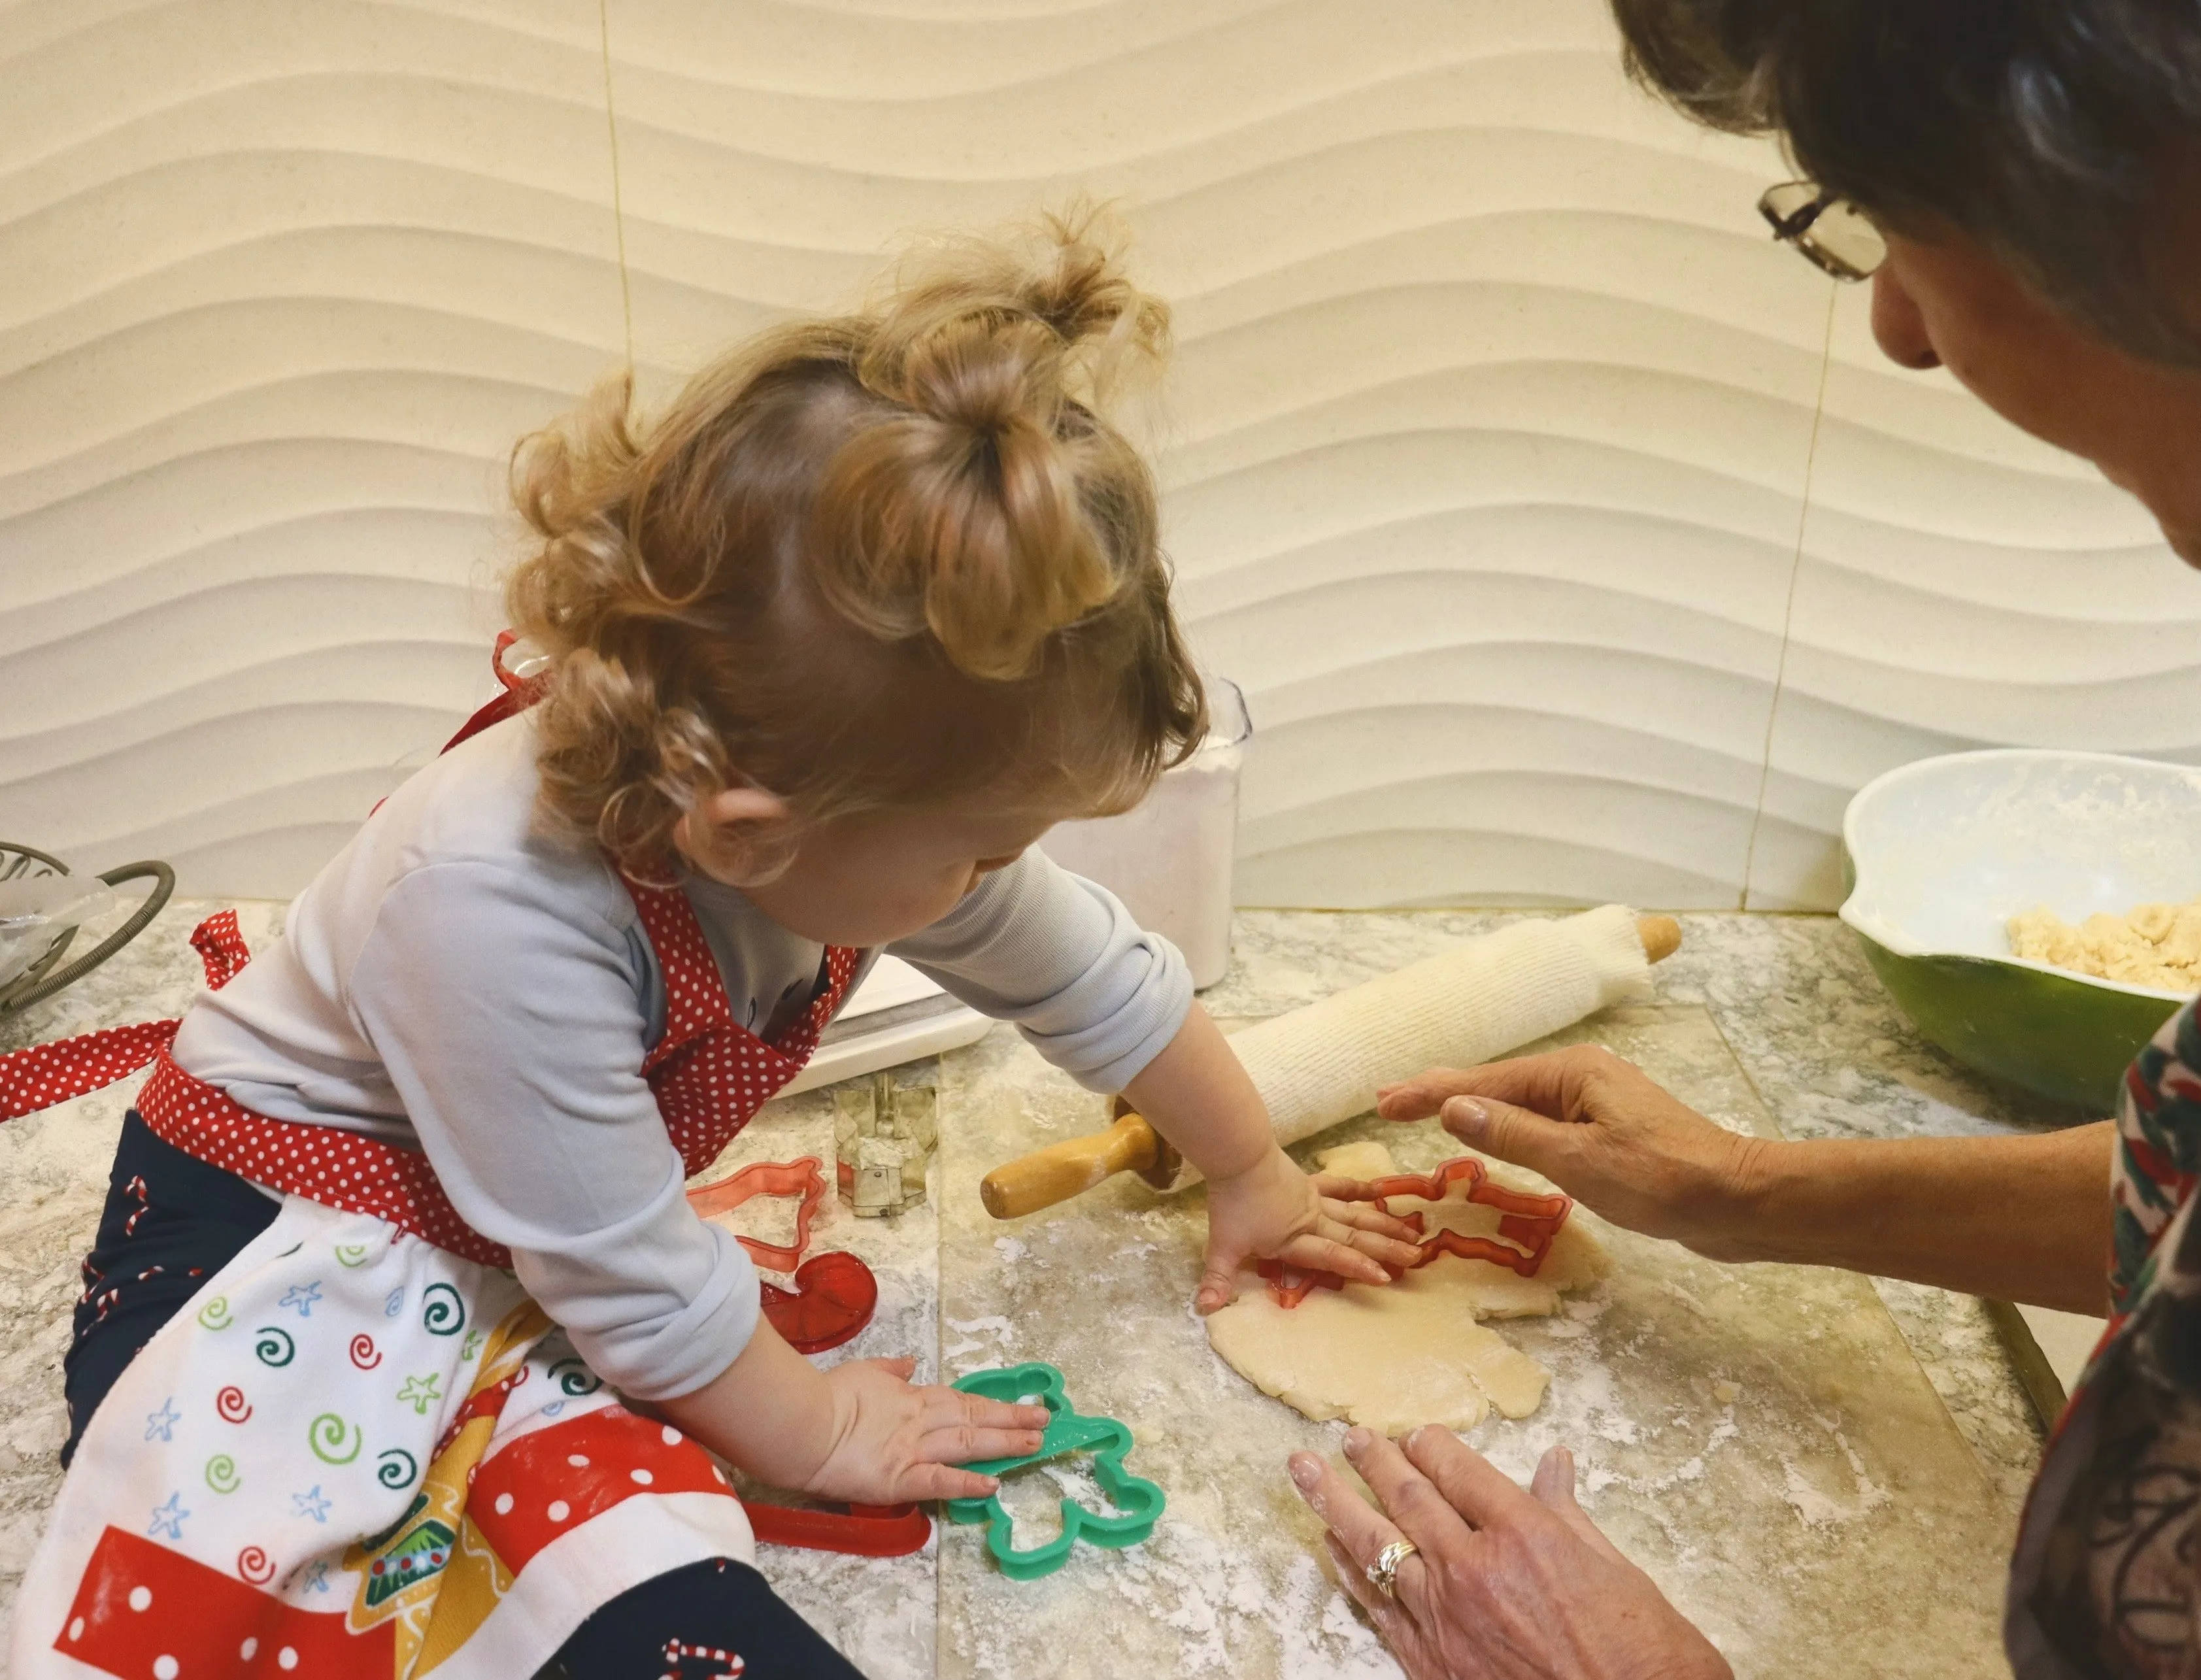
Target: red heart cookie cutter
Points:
(834, 1294)
(834, 1298)
(1532, 1222)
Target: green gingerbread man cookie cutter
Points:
(1138, 1501)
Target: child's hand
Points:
(1272, 1210)
(893, 1442)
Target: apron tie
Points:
(45, 1074)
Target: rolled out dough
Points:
(1416, 1352)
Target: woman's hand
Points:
(1602, 1130)
(1272, 1210)
(2017, 1218)
(891, 1440)
(1507, 1584)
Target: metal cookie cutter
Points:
(1138, 1502)
(834, 1294)
(884, 1132)
(1529, 1222)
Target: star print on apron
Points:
(362, 1451)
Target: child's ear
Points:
(737, 835)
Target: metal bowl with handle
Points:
(1939, 854)
(50, 973)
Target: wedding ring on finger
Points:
(1383, 1573)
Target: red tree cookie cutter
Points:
(834, 1294)
(1533, 1222)
(767, 1178)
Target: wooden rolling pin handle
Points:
(1661, 936)
(1162, 1171)
(1075, 1165)
(1070, 1168)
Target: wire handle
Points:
(45, 979)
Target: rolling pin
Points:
(1322, 1065)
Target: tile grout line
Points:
(1788, 608)
(618, 208)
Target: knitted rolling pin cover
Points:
(1324, 1064)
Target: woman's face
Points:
(1948, 302)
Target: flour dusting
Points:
(1813, 1505)
(993, 1335)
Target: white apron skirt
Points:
(356, 1454)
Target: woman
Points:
(2021, 181)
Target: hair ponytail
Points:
(995, 509)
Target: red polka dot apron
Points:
(361, 1450)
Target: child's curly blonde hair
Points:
(873, 561)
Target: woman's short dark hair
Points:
(2057, 133)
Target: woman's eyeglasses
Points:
(1832, 231)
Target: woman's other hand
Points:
(1507, 1583)
(1606, 1133)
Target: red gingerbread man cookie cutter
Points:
(1529, 1223)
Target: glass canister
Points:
(1169, 858)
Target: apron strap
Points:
(517, 694)
(45, 1074)
(345, 1169)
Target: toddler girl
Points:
(397, 1239)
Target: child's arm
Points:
(861, 1432)
(1197, 1095)
(504, 1009)
(1112, 1007)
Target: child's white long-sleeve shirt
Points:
(458, 981)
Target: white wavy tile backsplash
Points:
(1486, 448)
(1961, 585)
(282, 283)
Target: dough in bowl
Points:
(1417, 1352)
(2148, 945)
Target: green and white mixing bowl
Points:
(1940, 853)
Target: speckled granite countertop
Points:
(1832, 1056)
(1821, 1043)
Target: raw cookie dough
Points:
(2148, 945)
(1395, 1359)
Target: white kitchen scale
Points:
(897, 1015)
